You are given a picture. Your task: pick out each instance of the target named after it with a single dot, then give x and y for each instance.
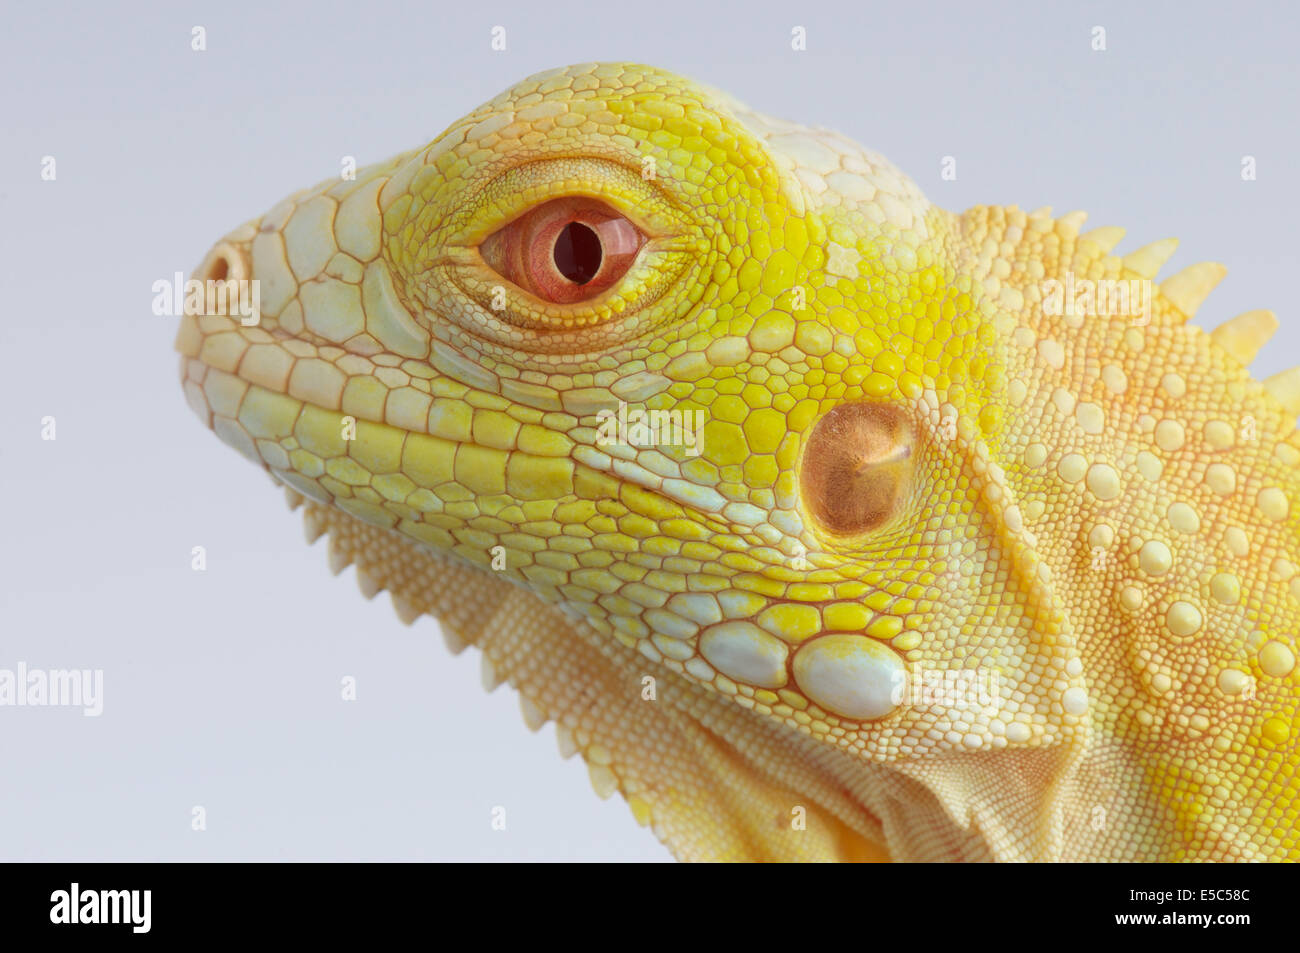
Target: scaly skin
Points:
(907, 467)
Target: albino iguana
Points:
(823, 522)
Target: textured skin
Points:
(1097, 513)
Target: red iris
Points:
(566, 250)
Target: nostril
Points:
(226, 261)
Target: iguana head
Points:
(727, 395)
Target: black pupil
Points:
(577, 253)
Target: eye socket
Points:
(566, 250)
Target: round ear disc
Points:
(856, 467)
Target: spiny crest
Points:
(1285, 386)
(1244, 336)
(1191, 286)
(1149, 259)
(1241, 337)
(1105, 237)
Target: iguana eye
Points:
(566, 250)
